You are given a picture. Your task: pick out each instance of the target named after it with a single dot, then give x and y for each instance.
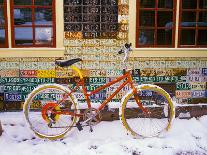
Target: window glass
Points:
(165, 20)
(26, 39)
(43, 2)
(189, 4)
(2, 20)
(22, 2)
(146, 37)
(23, 16)
(147, 18)
(164, 37)
(147, 3)
(43, 16)
(3, 24)
(202, 19)
(2, 36)
(165, 4)
(188, 37)
(202, 37)
(203, 4)
(189, 16)
(43, 35)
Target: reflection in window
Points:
(146, 37)
(2, 36)
(23, 16)
(193, 25)
(22, 2)
(3, 25)
(43, 16)
(155, 25)
(26, 39)
(34, 19)
(43, 2)
(43, 35)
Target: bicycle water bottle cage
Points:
(67, 63)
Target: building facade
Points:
(169, 39)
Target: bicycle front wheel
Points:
(41, 111)
(160, 109)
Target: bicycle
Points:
(146, 110)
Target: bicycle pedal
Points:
(79, 126)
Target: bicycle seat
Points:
(67, 63)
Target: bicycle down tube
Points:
(129, 81)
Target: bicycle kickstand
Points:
(91, 126)
(79, 126)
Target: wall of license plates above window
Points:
(94, 30)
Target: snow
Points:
(109, 138)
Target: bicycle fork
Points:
(136, 97)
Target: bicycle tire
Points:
(139, 124)
(38, 119)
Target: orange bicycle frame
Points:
(87, 95)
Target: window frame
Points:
(6, 45)
(155, 27)
(33, 26)
(196, 28)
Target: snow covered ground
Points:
(186, 137)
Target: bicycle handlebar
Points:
(126, 50)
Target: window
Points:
(33, 23)
(3, 25)
(155, 23)
(193, 23)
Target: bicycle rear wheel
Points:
(161, 111)
(39, 110)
